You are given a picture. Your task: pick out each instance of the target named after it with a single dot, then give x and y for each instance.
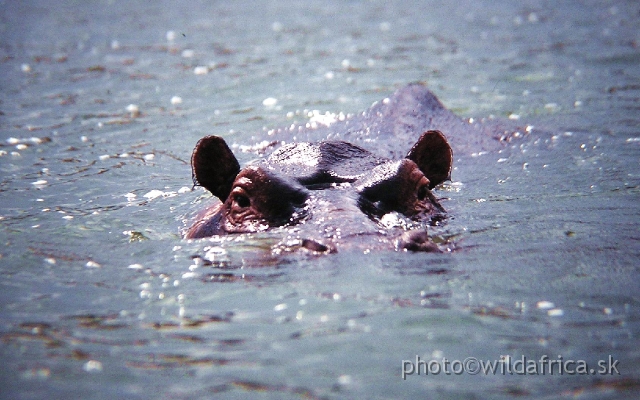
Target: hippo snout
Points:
(317, 247)
(417, 240)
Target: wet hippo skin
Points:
(334, 192)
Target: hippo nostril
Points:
(312, 245)
(417, 240)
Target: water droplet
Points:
(269, 102)
(555, 312)
(544, 305)
(201, 70)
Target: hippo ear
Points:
(434, 157)
(214, 166)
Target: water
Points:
(101, 298)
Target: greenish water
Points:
(101, 298)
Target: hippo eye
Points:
(242, 201)
(422, 193)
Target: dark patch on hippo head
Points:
(316, 164)
(326, 181)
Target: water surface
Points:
(102, 103)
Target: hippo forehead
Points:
(324, 162)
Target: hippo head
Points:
(335, 189)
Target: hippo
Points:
(329, 193)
